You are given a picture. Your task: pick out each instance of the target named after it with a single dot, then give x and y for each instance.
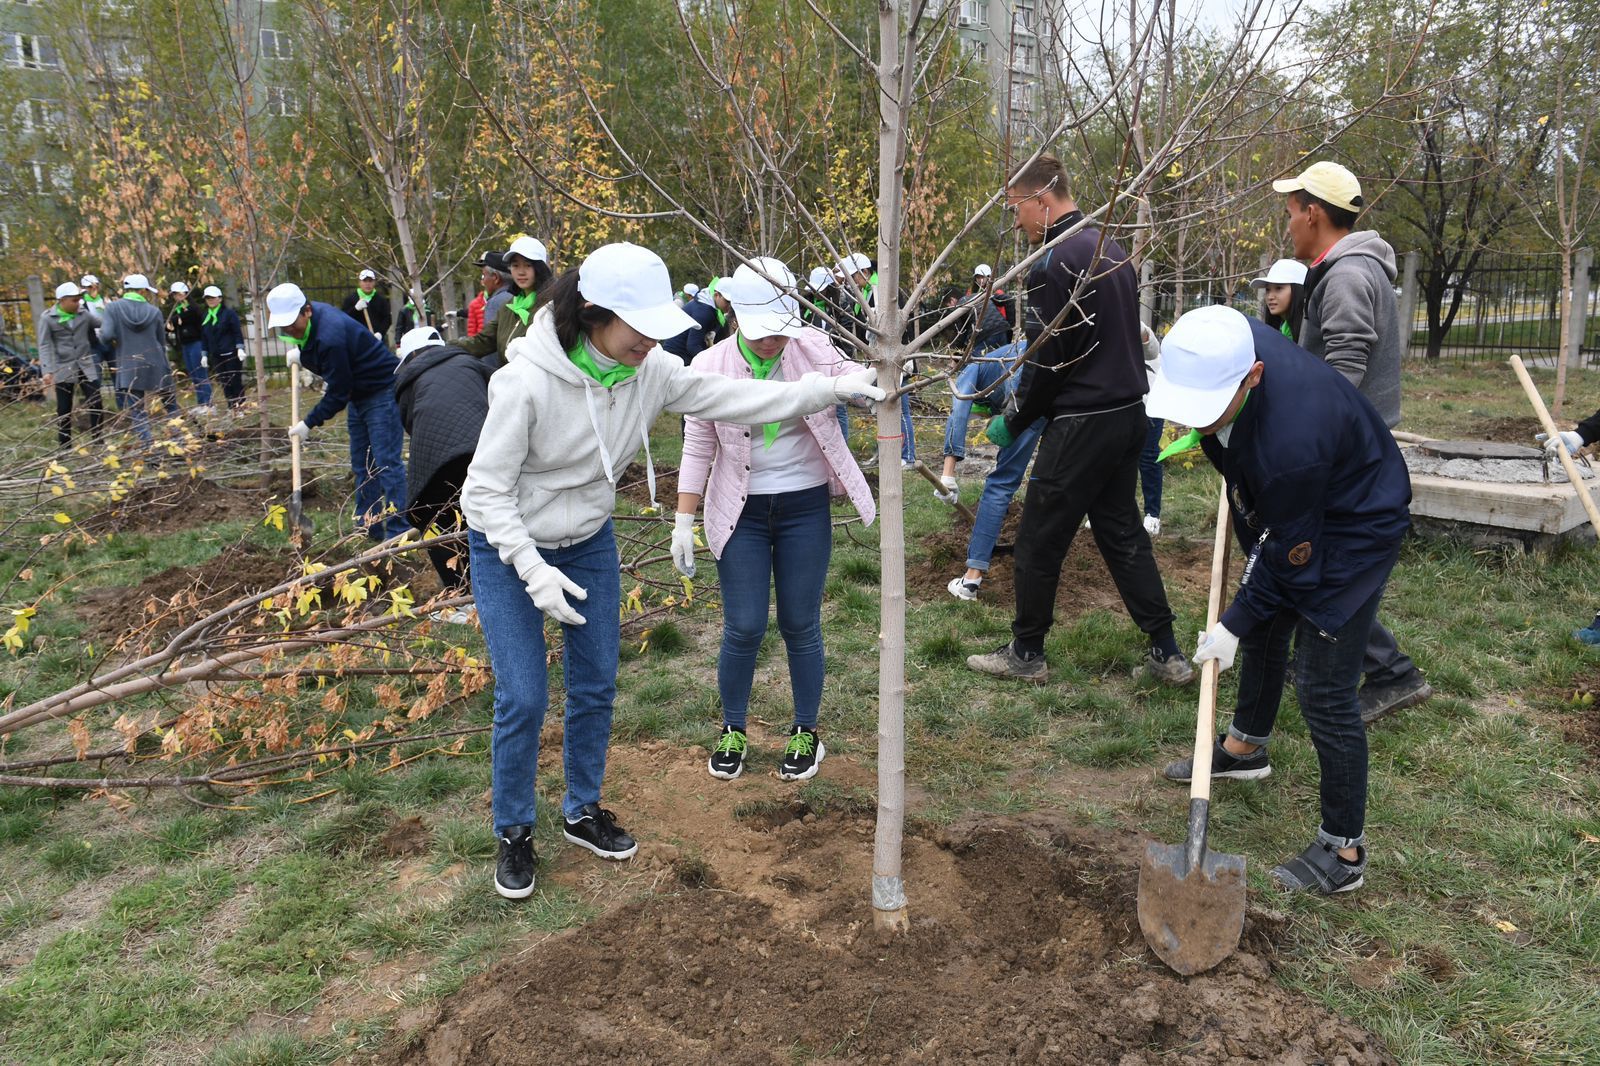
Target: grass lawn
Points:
(300, 923)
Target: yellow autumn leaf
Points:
(63, 518)
(275, 516)
(1505, 926)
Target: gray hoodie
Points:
(1352, 320)
(66, 348)
(138, 332)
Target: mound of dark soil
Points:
(1025, 949)
(179, 504)
(162, 604)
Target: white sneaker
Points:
(457, 616)
(962, 589)
(1152, 525)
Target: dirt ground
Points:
(747, 938)
(180, 504)
(1085, 582)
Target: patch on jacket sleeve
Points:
(1300, 554)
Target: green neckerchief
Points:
(211, 315)
(96, 302)
(1285, 330)
(65, 315)
(1191, 440)
(722, 316)
(866, 294)
(183, 305)
(584, 360)
(522, 305)
(135, 297)
(762, 369)
(301, 342)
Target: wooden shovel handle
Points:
(1554, 434)
(1205, 729)
(294, 420)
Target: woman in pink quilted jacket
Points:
(767, 520)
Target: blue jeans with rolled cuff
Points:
(1327, 677)
(514, 630)
(376, 437)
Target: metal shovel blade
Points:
(299, 521)
(1191, 912)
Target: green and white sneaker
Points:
(801, 756)
(727, 760)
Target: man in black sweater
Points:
(1086, 375)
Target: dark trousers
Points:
(1327, 677)
(91, 400)
(1086, 465)
(229, 374)
(1150, 468)
(1385, 663)
(439, 505)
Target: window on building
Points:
(122, 59)
(282, 101)
(1025, 58)
(1021, 100)
(1024, 18)
(30, 52)
(275, 44)
(973, 13)
(50, 177)
(975, 50)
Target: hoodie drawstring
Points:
(605, 452)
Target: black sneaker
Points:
(597, 830)
(513, 870)
(1380, 701)
(727, 760)
(1320, 869)
(1224, 763)
(801, 756)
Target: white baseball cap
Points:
(821, 278)
(67, 288)
(87, 280)
(284, 304)
(983, 270)
(417, 339)
(691, 290)
(1204, 357)
(1326, 181)
(212, 290)
(366, 275)
(135, 281)
(178, 287)
(760, 294)
(854, 263)
(529, 248)
(1283, 272)
(633, 282)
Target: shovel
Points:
(299, 521)
(1191, 899)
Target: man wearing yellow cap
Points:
(1353, 323)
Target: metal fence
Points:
(1510, 303)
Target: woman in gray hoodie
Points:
(574, 402)
(136, 330)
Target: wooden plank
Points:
(1531, 508)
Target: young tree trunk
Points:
(1564, 340)
(888, 885)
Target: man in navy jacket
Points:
(1321, 500)
(359, 371)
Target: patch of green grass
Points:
(861, 569)
(353, 829)
(187, 836)
(296, 936)
(272, 1049)
(667, 639)
(463, 840)
(78, 858)
(169, 899)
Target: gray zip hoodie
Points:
(137, 331)
(1352, 320)
(556, 441)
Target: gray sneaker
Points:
(1173, 670)
(1005, 662)
(1380, 701)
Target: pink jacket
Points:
(719, 452)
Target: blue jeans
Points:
(908, 435)
(844, 422)
(998, 488)
(1327, 676)
(198, 375)
(514, 630)
(375, 438)
(975, 378)
(1150, 470)
(784, 540)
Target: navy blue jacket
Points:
(352, 361)
(1321, 497)
(224, 337)
(691, 342)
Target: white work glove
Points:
(859, 383)
(951, 493)
(1152, 348)
(361, 303)
(1218, 644)
(378, 335)
(293, 356)
(683, 543)
(245, 356)
(300, 430)
(549, 589)
(1568, 437)
(205, 363)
